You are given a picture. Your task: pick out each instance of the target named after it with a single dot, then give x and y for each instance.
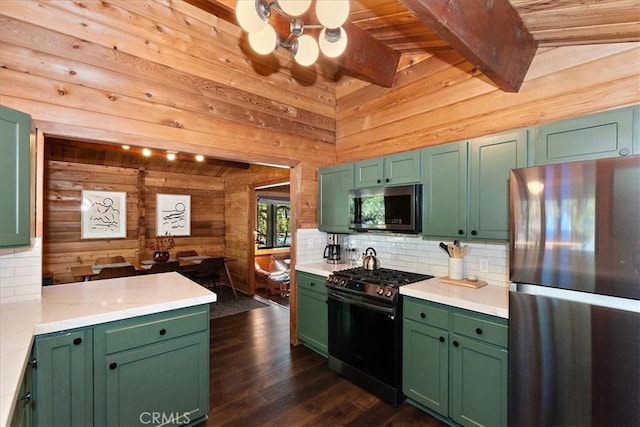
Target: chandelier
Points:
(253, 16)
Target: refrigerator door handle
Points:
(577, 296)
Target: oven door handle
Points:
(358, 301)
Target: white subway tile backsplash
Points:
(412, 253)
(21, 273)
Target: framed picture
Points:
(173, 213)
(104, 214)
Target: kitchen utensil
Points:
(369, 260)
(464, 250)
(445, 248)
(452, 250)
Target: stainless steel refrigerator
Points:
(574, 300)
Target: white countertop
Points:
(492, 300)
(83, 304)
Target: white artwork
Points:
(173, 215)
(104, 214)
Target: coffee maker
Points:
(333, 251)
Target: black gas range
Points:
(365, 328)
(381, 284)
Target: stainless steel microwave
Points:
(397, 209)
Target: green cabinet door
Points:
(445, 190)
(15, 188)
(479, 381)
(596, 136)
(334, 184)
(162, 383)
(395, 169)
(23, 414)
(490, 160)
(369, 173)
(63, 379)
(312, 312)
(425, 365)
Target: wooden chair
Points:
(110, 259)
(182, 254)
(163, 267)
(208, 273)
(112, 272)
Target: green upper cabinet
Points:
(396, 169)
(64, 378)
(596, 136)
(490, 160)
(466, 186)
(445, 190)
(334, 184)
(15, 188)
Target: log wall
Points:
(63, 246)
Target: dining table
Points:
(87, 271)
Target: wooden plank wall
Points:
(63, 246)
(434, 102)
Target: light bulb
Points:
(264, 42)
(333, 45)
(294, 7)
(171, 156)
(306, 50)
(249, 18)
(199, 158)
(332, 13)
(146, 152)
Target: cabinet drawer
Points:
(156, 328)
(425, 313)
(312, 283)
(483, 330)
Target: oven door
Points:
(365, 342)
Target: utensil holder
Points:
(456, 269)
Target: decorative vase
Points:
(161, 256)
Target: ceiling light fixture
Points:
(199, 158)
(125, 147)
(171, 155)
(253, 16)
(146, 152)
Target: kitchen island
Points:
(84, 305)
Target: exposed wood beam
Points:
(365, 56)
(488, 33)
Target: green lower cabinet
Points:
(312, 312)
(425, 374)
(455, 363)
(153, 369)
(23, 413)
(478, 383)
(64, 378)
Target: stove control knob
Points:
(380, 291)
(388, 293)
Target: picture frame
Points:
(104, 214)
(173, 214)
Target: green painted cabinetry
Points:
(141, 371)
(64, 378)
(312, 312)
(445, 190)
(152, 366)
(15, 188)
(466, 186)
(334, 184)
(607, 134)
(395, 169)
(23, 413)
(455, 363)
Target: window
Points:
(273, 216)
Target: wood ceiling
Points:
(491, 34)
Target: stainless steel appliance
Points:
(397, 209)
(574, 304)
(365, 328)
(333, 250)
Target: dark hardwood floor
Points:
(258, 378)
